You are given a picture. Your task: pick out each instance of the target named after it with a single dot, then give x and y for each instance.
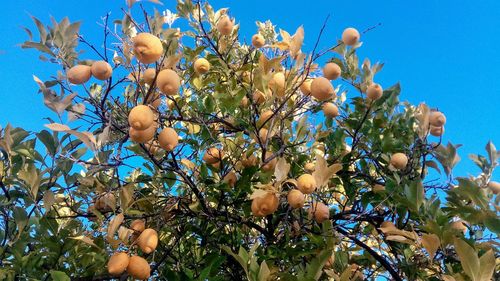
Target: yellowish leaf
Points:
(57, 127)
(468, 258)
(85, 240)
(281, 170)
(188, 164)
(448, 278)
(486, 266)
(323, 173)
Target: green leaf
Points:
(415, 194)
(46, 138)
(492, 152)
(21, 218)
(59, 276)
(468, 258)
(240, 260)
(492, 222)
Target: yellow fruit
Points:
(306, 184)
(258, 41)
(399, 160)
(350, 36)
(225, 25)
(101, 70)
(79, 74)
(147, 47)
(230, 178)
(459, 225)
(436, 131)
(201, 66)
(374, 91)
(258, 97)
(322, 89)
(105, 203)
(142, 136)
(249, 161)
(264, 119)
(148, 240)
(138, 225)
(494, 187)
(265, 205)
(377, 188)
(118, 263)
(437, 119)
(296, 199)
(213, 155)
(168, 139)
(277, 84)
(332, 71)
(310, 167)
(149, 75)
(319, 211)
(168, 82)
(138, 268)
(305, 87)
(330, 110)
(141, 117)
(269, 166)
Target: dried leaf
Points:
(399, 238)
(431, 243)
(296, 42)
(113, 225)
(86, 137)
(124, 234)
(283, 46)
(76, 111)
(422, 115)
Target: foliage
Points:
(72, 190)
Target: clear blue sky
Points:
(443, 52)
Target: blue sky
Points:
(442, 52)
